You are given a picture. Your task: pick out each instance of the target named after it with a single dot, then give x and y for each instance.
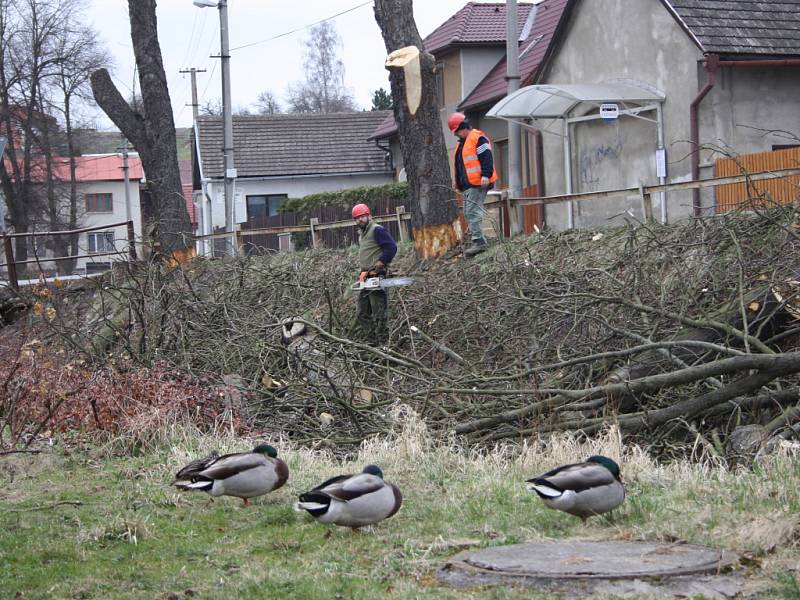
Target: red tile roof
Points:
(532, 52)
(185, 168)
(100, 167)
(476, 24)
(387, 128)
(187, 197)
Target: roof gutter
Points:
(712, 63)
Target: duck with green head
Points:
(584, 489)
(353, 500)
(244, 475)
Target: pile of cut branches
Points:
(678, 333)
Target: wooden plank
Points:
(652, 189)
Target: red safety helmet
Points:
(455, 120)
(360, 210)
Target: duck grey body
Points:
(353, 500)
(243, 475)
(585, 489)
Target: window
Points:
(99, 203)
(101, 241)
(261, 207)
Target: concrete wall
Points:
(652, 49)
(117, 190)
(750, 109)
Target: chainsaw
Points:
(380, 283)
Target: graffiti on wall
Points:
(592, 157)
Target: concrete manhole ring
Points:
(580, 562)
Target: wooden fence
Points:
(645, 192)
(327, 233)
(779, 191)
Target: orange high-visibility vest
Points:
(469, 154)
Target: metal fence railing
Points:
(11, 263)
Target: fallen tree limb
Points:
(775, 364)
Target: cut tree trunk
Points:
(416, 111)
(151, 133)
(765, 313)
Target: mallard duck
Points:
(584, 489)
(244, 474)
(353, 500)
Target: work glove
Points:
(377, 270)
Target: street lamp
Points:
(227, 119)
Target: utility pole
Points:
(227, 119)
(126, 180)
(195, 106)
(512, 76)
(204, 247)
(227, 124)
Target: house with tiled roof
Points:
(287, 156)
(101, 201)
(725, 75)
(470, 53)
(101, 187)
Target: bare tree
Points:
(213, 108)
(38, 40)
(416, 110)
(82, 56)
(152, 130)
(323, 91)
(267, 104)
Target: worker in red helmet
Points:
(376, 249)
(474, 176)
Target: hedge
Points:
(346, 198)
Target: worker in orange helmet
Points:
(376, 249)
(474, 176)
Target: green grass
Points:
(132, 536)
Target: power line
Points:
(301, 28)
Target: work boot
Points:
(477, 247)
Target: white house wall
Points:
(296, 187)
(117, 191)
(639, 41)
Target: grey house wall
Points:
(749, 109)
(476, 64)
(638, 41)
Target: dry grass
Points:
(454, 498)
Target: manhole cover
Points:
(569, 563)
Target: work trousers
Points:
(373, 308)
(474, 198)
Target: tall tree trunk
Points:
(153, 133)
(416, 111)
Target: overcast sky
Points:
(189, 35)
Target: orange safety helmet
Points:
(455, 120)
(360, 210)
